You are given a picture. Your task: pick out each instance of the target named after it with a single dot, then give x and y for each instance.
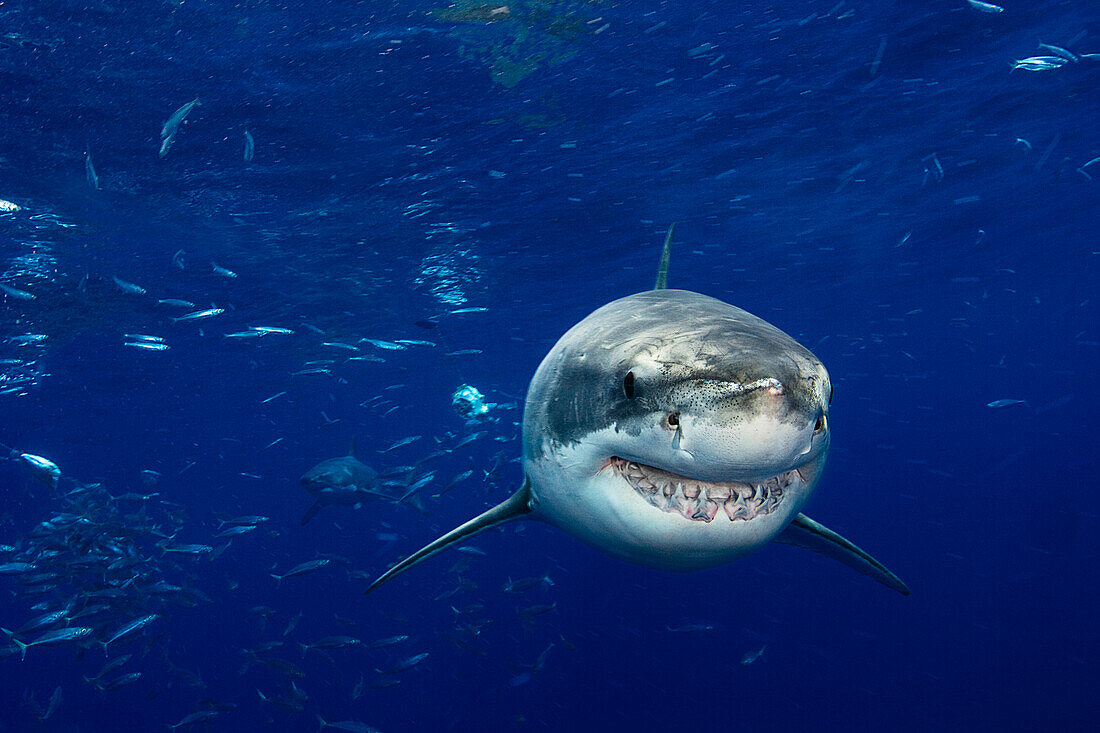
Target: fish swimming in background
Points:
(128, 287)
(43, 469)
(343, 481)
(172, 124)
(89, 172)
(752, 656)
(1006, 403)
(673, 430)
(16, 293)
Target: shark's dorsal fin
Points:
(351, 448)
(662, 269)
(514, 507)
(805, 532)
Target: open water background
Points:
(873, 178)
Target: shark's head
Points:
(674, 430)
(337, 473)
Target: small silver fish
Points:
(401, 443)
(222, 271)
(127, 287)
(389, 345)
(46, 469)
(985, 7)
(197, 315)
(1059, 51)
(148, 345)
(16, 293)
(176, 119)
(1006, 403)
(1040, 63)
(89, 172)
(751, 657)
(249, 147)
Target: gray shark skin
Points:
(674, 430)
(338, 481)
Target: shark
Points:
(343, 481)
(673, 430)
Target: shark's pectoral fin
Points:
(805, 532)
(312, 512)
(514, 507)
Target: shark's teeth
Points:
(702, 501)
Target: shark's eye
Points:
(628, 385)
(673, 419)
(820, 425)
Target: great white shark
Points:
(343, 481)
(673, 430)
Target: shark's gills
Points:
(514, 507)
(805, 532)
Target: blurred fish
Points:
(292, 624)
(1040, 63)
(752, 656)
(525, 584)
(415, 486)
(305, 568)
(89, 172)
(985, 7)
(1006, 403)
(352, 726)
(53, 705)
(470, 439)
(128, 287)
(401, 443)
(199, 716)
(46, 619)
(249, 147)
(388, 345)
(130, 628)
(57, 636)
(172, 124)
(691, 628)
(331, 642)
(16, 293)
(109, 667)
(456, 480)
(387, 641)
(44, 469)
(407, 663)
(219, 270)
(117, 682)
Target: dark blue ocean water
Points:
(873, 178)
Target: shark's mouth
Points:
(703, 501)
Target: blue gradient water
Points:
(873, 178)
